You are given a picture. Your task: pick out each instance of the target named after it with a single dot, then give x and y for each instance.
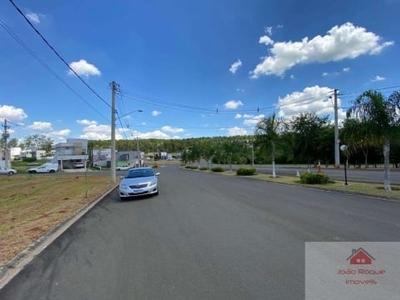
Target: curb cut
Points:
(18, 263)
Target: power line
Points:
(188, 108)
(44, 64)
(57, 54)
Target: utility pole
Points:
(337, 153)
(6, 135)
(138, 152)
(114, 87)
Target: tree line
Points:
(371, 132)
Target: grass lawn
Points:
(31, 205)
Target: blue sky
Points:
(194, 68)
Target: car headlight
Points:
(123, 186)
(153, 183)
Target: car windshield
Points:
(140, 173)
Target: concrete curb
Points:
(18, 263)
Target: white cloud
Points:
(235, 66)
(172, 129)
(251, 120)
(40, 126)
(236, 131)
(60, 133)
(240, 90)
(268, 30)
(344, 70)
(155, 113)
(311, 99)
(86, 122)
(83, 68)
(266, 40)
(12, 113)
(33, 17)
(292, 76)
(378, 78)
(341, 42)
(95, 131)
(232, 104)
(238, 116)
(157, 134)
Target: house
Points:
(72, 153)
(15, 153)
(102, 158)
(360, 257)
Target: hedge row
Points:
(314, 178)
(245, 171)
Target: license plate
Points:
(137, 191)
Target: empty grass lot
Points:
(31, 205)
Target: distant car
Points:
(78, 165)
(138, 182)
(123, 168)
(45, 168)
(8, 171)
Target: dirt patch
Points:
(32, 205)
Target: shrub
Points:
(218, 169)
(314, 178)
(29, 159)
(191, 167)
(245, 171)
(203, 168)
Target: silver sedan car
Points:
(138, 182)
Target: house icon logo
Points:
(360, 257)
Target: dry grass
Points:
(32, 205)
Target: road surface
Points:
(206, 236)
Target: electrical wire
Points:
(45, 65)
(57, 53)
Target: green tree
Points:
(267, 136)
(309, 129)
(13, 143)
(357, 138)
(380, 116)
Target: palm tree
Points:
(357, 138)
(267, 136)
(380, 116)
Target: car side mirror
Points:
(158, 173)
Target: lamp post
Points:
(251, 143)
(343, 148)
(131, 112)
(138, 152)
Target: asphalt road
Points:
(206, 236)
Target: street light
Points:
(138, 152)
(131, 112)
(343, 148)
(251, 143)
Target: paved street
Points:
(206, 236)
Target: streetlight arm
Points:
(124, 115)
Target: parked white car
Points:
(7, 171)
(123, 168)
(46, 168)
